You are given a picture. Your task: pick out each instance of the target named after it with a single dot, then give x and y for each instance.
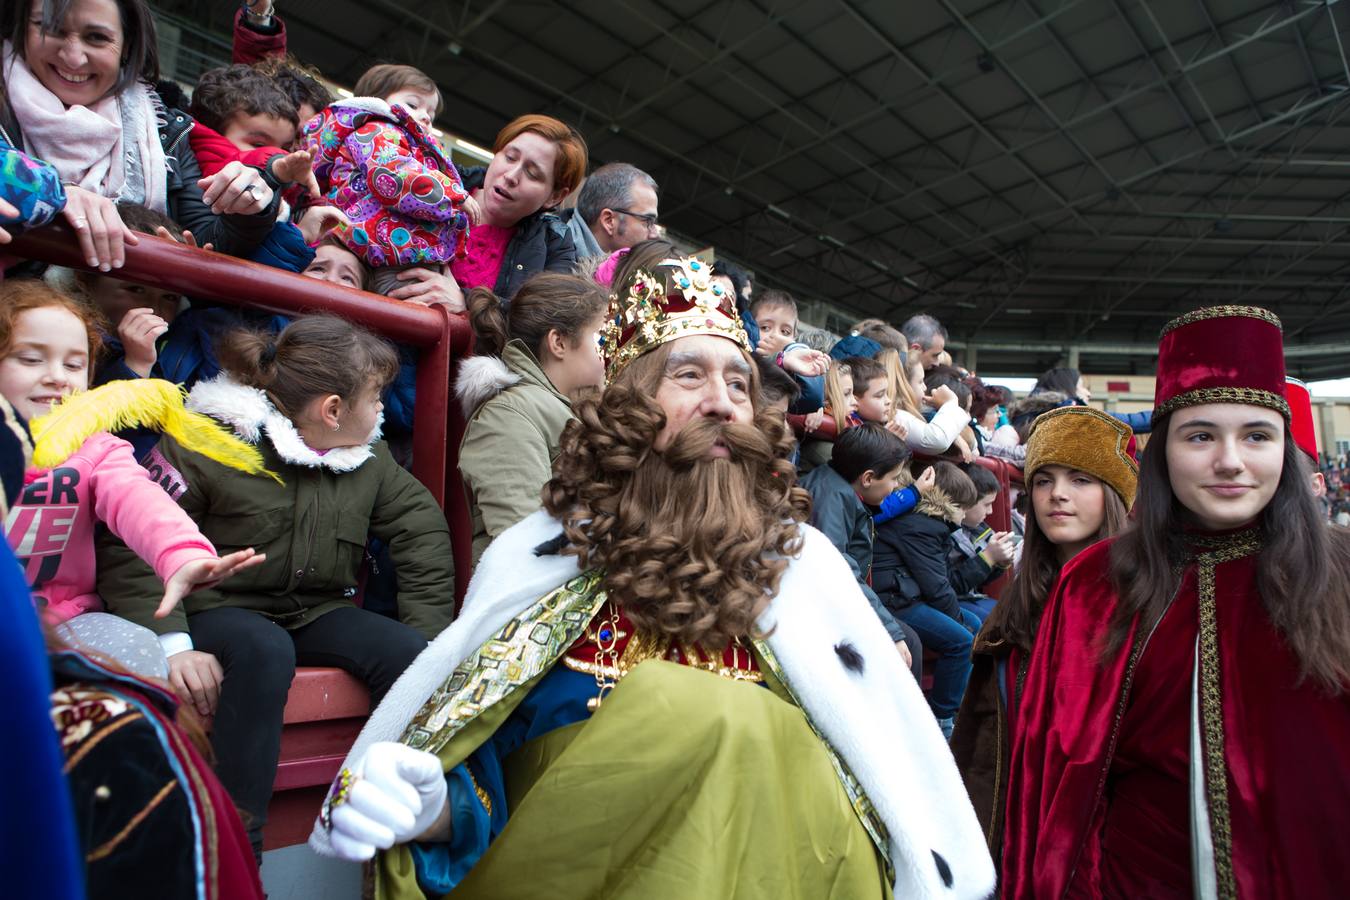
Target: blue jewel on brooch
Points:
(695, 265)
(606, 634)
(684, 283)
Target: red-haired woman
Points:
(1184, 725)
(537, 161)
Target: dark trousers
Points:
(951, 641)
(915, 647)
(259, 658)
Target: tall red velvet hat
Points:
(1301, 416)
(1222, 354)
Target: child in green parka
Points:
(309, 399)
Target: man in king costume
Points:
(664, 684)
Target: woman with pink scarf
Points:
(79, 94)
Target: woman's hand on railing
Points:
(236, 190)
(99, 228)
(428, 288)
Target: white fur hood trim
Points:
(248, 411)
(480, 379)
(377, 105)
(876, 720)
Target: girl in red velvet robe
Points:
(1080, 477)
(1184, 728)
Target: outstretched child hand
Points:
(940, 397)
(7, 211)
(805, 362)
(814, 420)
(473, 211)
(926, 481)
(138, 331)
(317, 221)
(898, 428)
(188, 239)
(203, 573)
(297, 167)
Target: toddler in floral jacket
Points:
(378, 162)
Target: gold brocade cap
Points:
(1086, 439)
(648, 314)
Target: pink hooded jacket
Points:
(51, 527)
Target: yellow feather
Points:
(143, 403)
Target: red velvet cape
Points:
(1286, 746)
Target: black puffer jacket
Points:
(237, 235)
(909, 558)
(541, 244)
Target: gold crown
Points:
(649, 315)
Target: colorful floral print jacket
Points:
(389, 175)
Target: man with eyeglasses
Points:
(617, 208)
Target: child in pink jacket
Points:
(47, 341)
(376, 159)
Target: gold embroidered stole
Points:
(1213, 552)
(862, 804)
(523, 649)
(533, 641)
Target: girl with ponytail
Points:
(517, 392)
(309, 400)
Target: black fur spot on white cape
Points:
(553, 547)
(849, 656)
(943, 869)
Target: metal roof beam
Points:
(1150, 172)
(974, 120)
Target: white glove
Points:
(398, 793)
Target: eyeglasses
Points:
(647, 219)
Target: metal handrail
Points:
(441, 337)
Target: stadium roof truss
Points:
(1037, 173)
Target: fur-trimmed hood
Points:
(938, 505)
(480, 379)
(837, 659)
(250, 414)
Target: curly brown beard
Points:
(692, 546)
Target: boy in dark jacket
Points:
(978, 554)
(864, 469)
(911, 577)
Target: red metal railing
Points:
(441, 338)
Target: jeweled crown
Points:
(648, 314)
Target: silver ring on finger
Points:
(251, 190)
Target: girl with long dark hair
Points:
(1184, 723)
(1081, 480)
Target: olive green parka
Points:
(313, 526)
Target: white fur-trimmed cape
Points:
(876, 719)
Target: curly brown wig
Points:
(692, 546)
